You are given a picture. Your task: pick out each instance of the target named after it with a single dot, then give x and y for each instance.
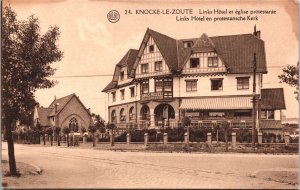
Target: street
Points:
(87, 168)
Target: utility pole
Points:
(254, 102)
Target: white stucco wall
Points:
(204, 86)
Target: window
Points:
(145, 87)
(151, 48)
(122, 115)
(132, 92)
(194, 63)
(158, 66)
(216, 114)
(131, 113)
(212, 61)
(168, 88)
(158, 85)
(144, 68)
(164, 85)
(168, 85)
(122, 94)
(187, 44)
(113, 116)
(271, 114)
(113, 96)
(267, 114)
(73, 124)
(122, 75)
(242, 83)
(191, 85)
(216, 84)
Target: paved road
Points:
(78, 168)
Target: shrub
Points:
(199, 134)
(244, 135)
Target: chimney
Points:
(55, 107)
(54, 97)
(256, 33)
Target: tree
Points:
(25, 67)
(111, 127)
(290, 76)
(93, 129)
(57, 132)
(49, 132)
(187, 123)
(66, 131)
(224, 127)
(99, 123)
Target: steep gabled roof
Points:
(167, 47)
(110, 86)
(62, 102)
(203, 44)
(237, 51)
(272, 98)
(128, 59)
(43, 115)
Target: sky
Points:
(93, 46)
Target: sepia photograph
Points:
(129, 94)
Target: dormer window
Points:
(194, 63)
(212, 61)
(122, 75)
(151, 48)
(187, 44)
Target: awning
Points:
(217, 103)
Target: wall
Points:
(74, 109)
(127, 98)
(204, 86)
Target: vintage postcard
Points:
(150, 94)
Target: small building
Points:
(272, 104)
(67, 111)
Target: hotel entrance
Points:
(164, 113)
